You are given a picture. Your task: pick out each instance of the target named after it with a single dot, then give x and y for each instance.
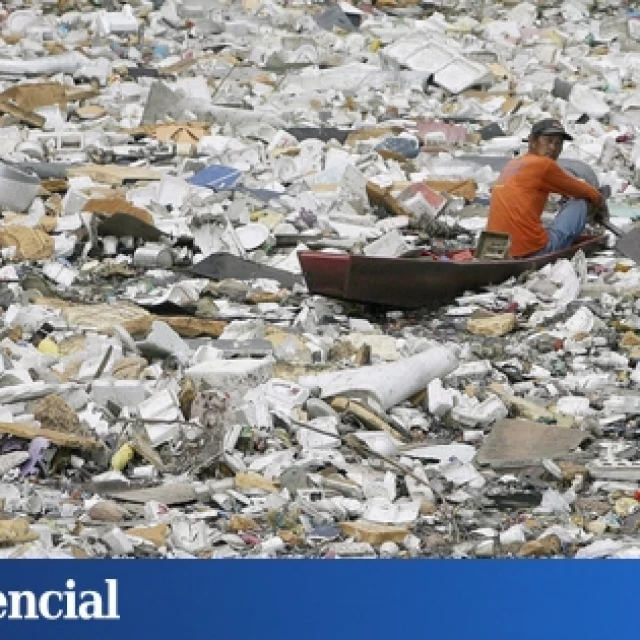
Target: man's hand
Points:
(599, 212)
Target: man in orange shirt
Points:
(522, 190)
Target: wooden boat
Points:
(427, 280)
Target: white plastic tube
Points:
(64, 63)
(390, 384)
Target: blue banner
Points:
(153, 600)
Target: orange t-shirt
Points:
(520, 195)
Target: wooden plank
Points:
(115, 174)
(169, 494)
(28, 117)
(136, 320)
(374, 533)
(342, 405)
(190, 327)
(184, 326)
(381, 197)
(29, 432)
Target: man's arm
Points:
(558, 181)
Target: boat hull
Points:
(417, 282)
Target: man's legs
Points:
(567, 225)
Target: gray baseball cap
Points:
(549, 127)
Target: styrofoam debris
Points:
(153, 280)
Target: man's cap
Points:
(549, 127)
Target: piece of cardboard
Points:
(116, 205)
(527, 441)
(33, 96)
(179, 133)
(462, 188)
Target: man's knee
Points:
(572, 218)
(567, 225)
(581, 211)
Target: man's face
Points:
(549, 146)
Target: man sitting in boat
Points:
(522, 190)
